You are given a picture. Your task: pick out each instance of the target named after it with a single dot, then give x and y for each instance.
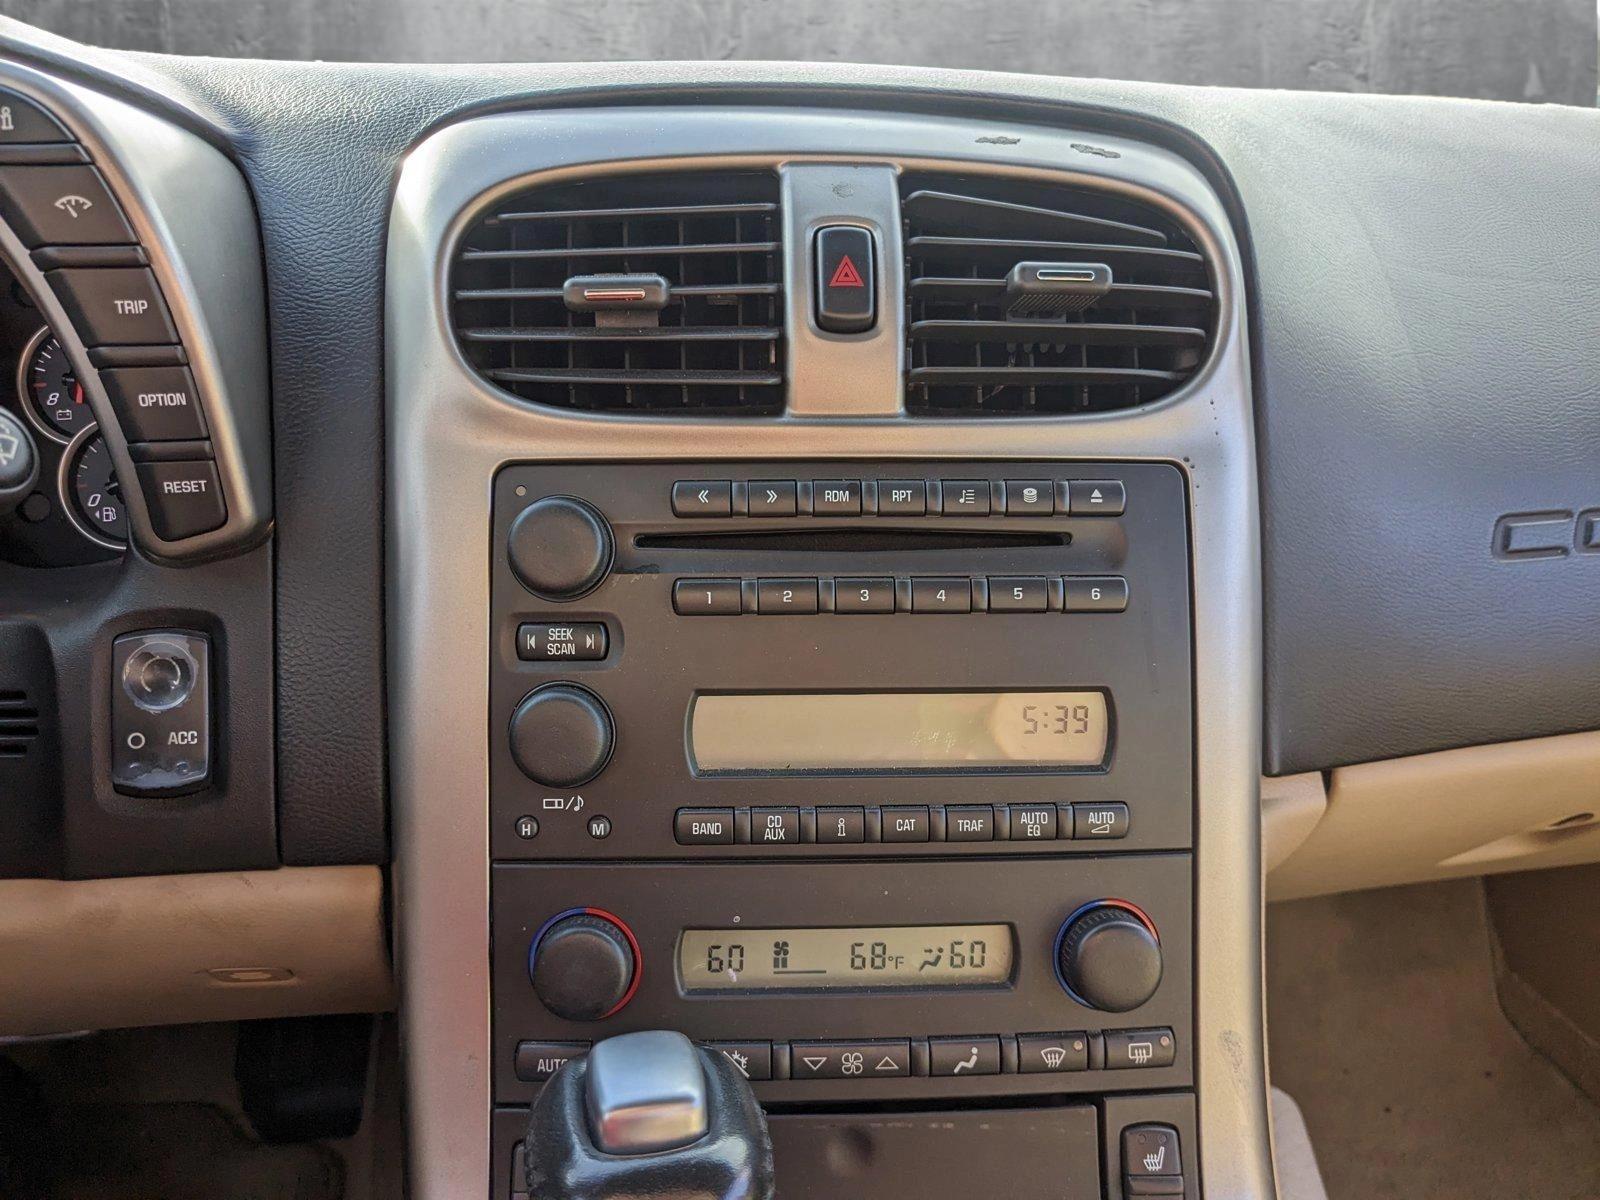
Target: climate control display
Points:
(803, 960)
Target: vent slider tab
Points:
(1048, 289)
(623, 301)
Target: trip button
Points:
(1130, 1048)
(1050, 1053)
(969, 823)
(702, 498)
(837, 826)
(851, 1060)
(23, 121)
(836, 498)
(940, 595)
(704, 827)
(774, 826)
(184, 498)
(155, 404)
(905, 824)
(583, 641)
(964, 1056)
(863, 595)
(119, 306)
(62, 206)
(1100, 821)
(537, 1061)
(786, 596)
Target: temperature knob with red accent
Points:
(584, 964)
(1108, 956)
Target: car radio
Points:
(876, 775)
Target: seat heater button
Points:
(184, 498)
(118, 306)
(61, 206)
(155, 404)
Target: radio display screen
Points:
(903, 956)
(948, 732)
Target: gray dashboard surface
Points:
(1426, 280)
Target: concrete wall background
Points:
(1498, 49)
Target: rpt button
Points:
(184, 498)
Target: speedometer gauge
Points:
(49, 389)
(91, 493)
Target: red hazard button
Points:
(846, 287)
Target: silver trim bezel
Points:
(25, 402)
(450, 432)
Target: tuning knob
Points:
(560, 548)
(1108, 956)
(562, 735)
(584, 964)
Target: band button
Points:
(704, 827)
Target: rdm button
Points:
(846, 295)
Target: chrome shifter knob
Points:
(645, 1092)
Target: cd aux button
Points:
(775, 826)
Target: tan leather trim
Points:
(1513, 806)
(174, 949)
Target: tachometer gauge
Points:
(90, 492)
(49, 389)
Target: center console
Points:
(905, 758)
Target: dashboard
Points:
(817, 558)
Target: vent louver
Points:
(713, 345)
(19, 724)
(1028, 298)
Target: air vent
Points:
(1027, 298)
(640, 293)
(19, 724)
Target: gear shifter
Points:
(648, 1114)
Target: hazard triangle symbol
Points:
(845, 275)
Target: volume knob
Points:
(561, 735)
(560, 548)
(1108, 956)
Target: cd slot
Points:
(870, 541)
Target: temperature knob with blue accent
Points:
(584, 964)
